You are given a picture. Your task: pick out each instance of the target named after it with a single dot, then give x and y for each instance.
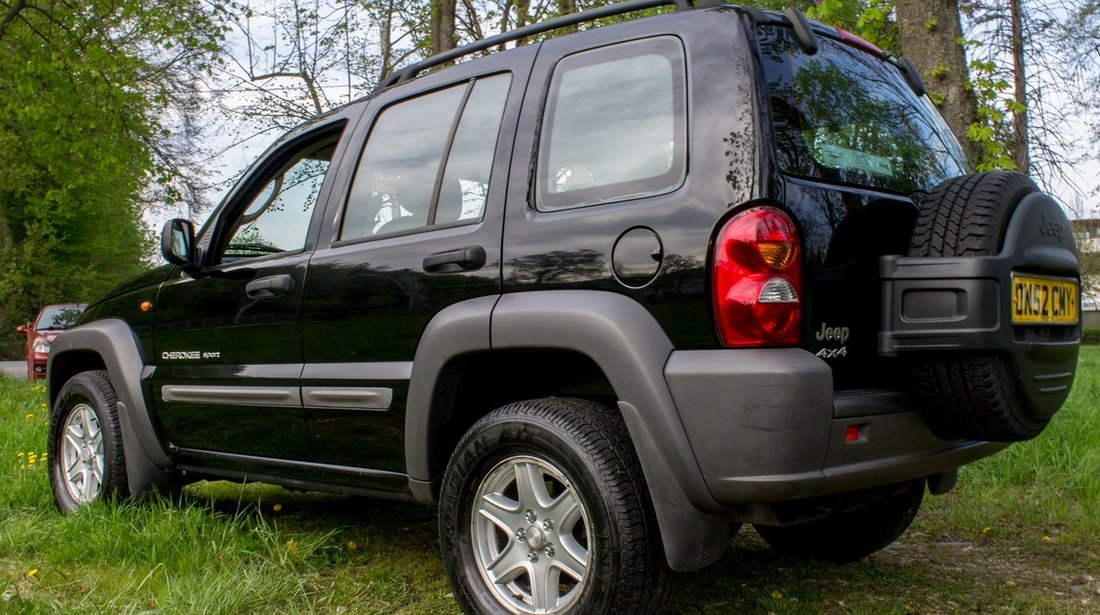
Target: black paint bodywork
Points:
(634, 322)
(367, 302)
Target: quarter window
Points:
(616, 125)
(427, 161)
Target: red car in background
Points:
(51, 321)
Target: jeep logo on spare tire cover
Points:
(992, 368)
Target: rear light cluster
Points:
(756, 280)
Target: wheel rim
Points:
(531, 536)
(82, 458)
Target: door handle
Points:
(469, 258)
(271, 286)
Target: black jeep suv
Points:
(601, 298)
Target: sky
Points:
(234, 155)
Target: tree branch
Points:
(13, 11)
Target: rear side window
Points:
(427, 161)
(616, 125)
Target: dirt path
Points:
(924, 573)
(1067, 576)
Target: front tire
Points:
(544, 509)
(86, 459)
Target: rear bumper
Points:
(765, 426)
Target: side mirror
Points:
(177, 244)
(21, 329)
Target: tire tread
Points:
(597, 435)
(105, 402)
(971, 396)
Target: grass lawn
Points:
(1020, 534)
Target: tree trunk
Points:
(929, 32)
(566, 7)
(523, 8)
(1019, 77)
(385, 43)
(443, 25)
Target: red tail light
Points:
(757, 279)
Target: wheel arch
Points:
(619, 351)
(111, 345)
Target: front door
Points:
(228, 339)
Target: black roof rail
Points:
(609, 10)
(803, 31)
(912, 76)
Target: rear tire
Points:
(85, 453)
(544, 509)
(976, 397)
(849, 536)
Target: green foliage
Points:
(1090, 337)
(875, 24)
(780, 5)
(869, 19)
(223, 549)
(83, 89)
(991, 131)
(1090, 268)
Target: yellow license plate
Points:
(1038, 300)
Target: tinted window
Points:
(847, 116)
(616, 125)
(466, 181)
(398, 180)
(277, 218)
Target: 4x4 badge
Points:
(833, 334)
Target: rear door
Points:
(419, 231)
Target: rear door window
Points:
(427, 161)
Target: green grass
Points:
(1019, 535)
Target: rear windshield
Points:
(844, 115)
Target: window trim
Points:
(667, 46)
(437, 186)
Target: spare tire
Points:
(975, 394)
